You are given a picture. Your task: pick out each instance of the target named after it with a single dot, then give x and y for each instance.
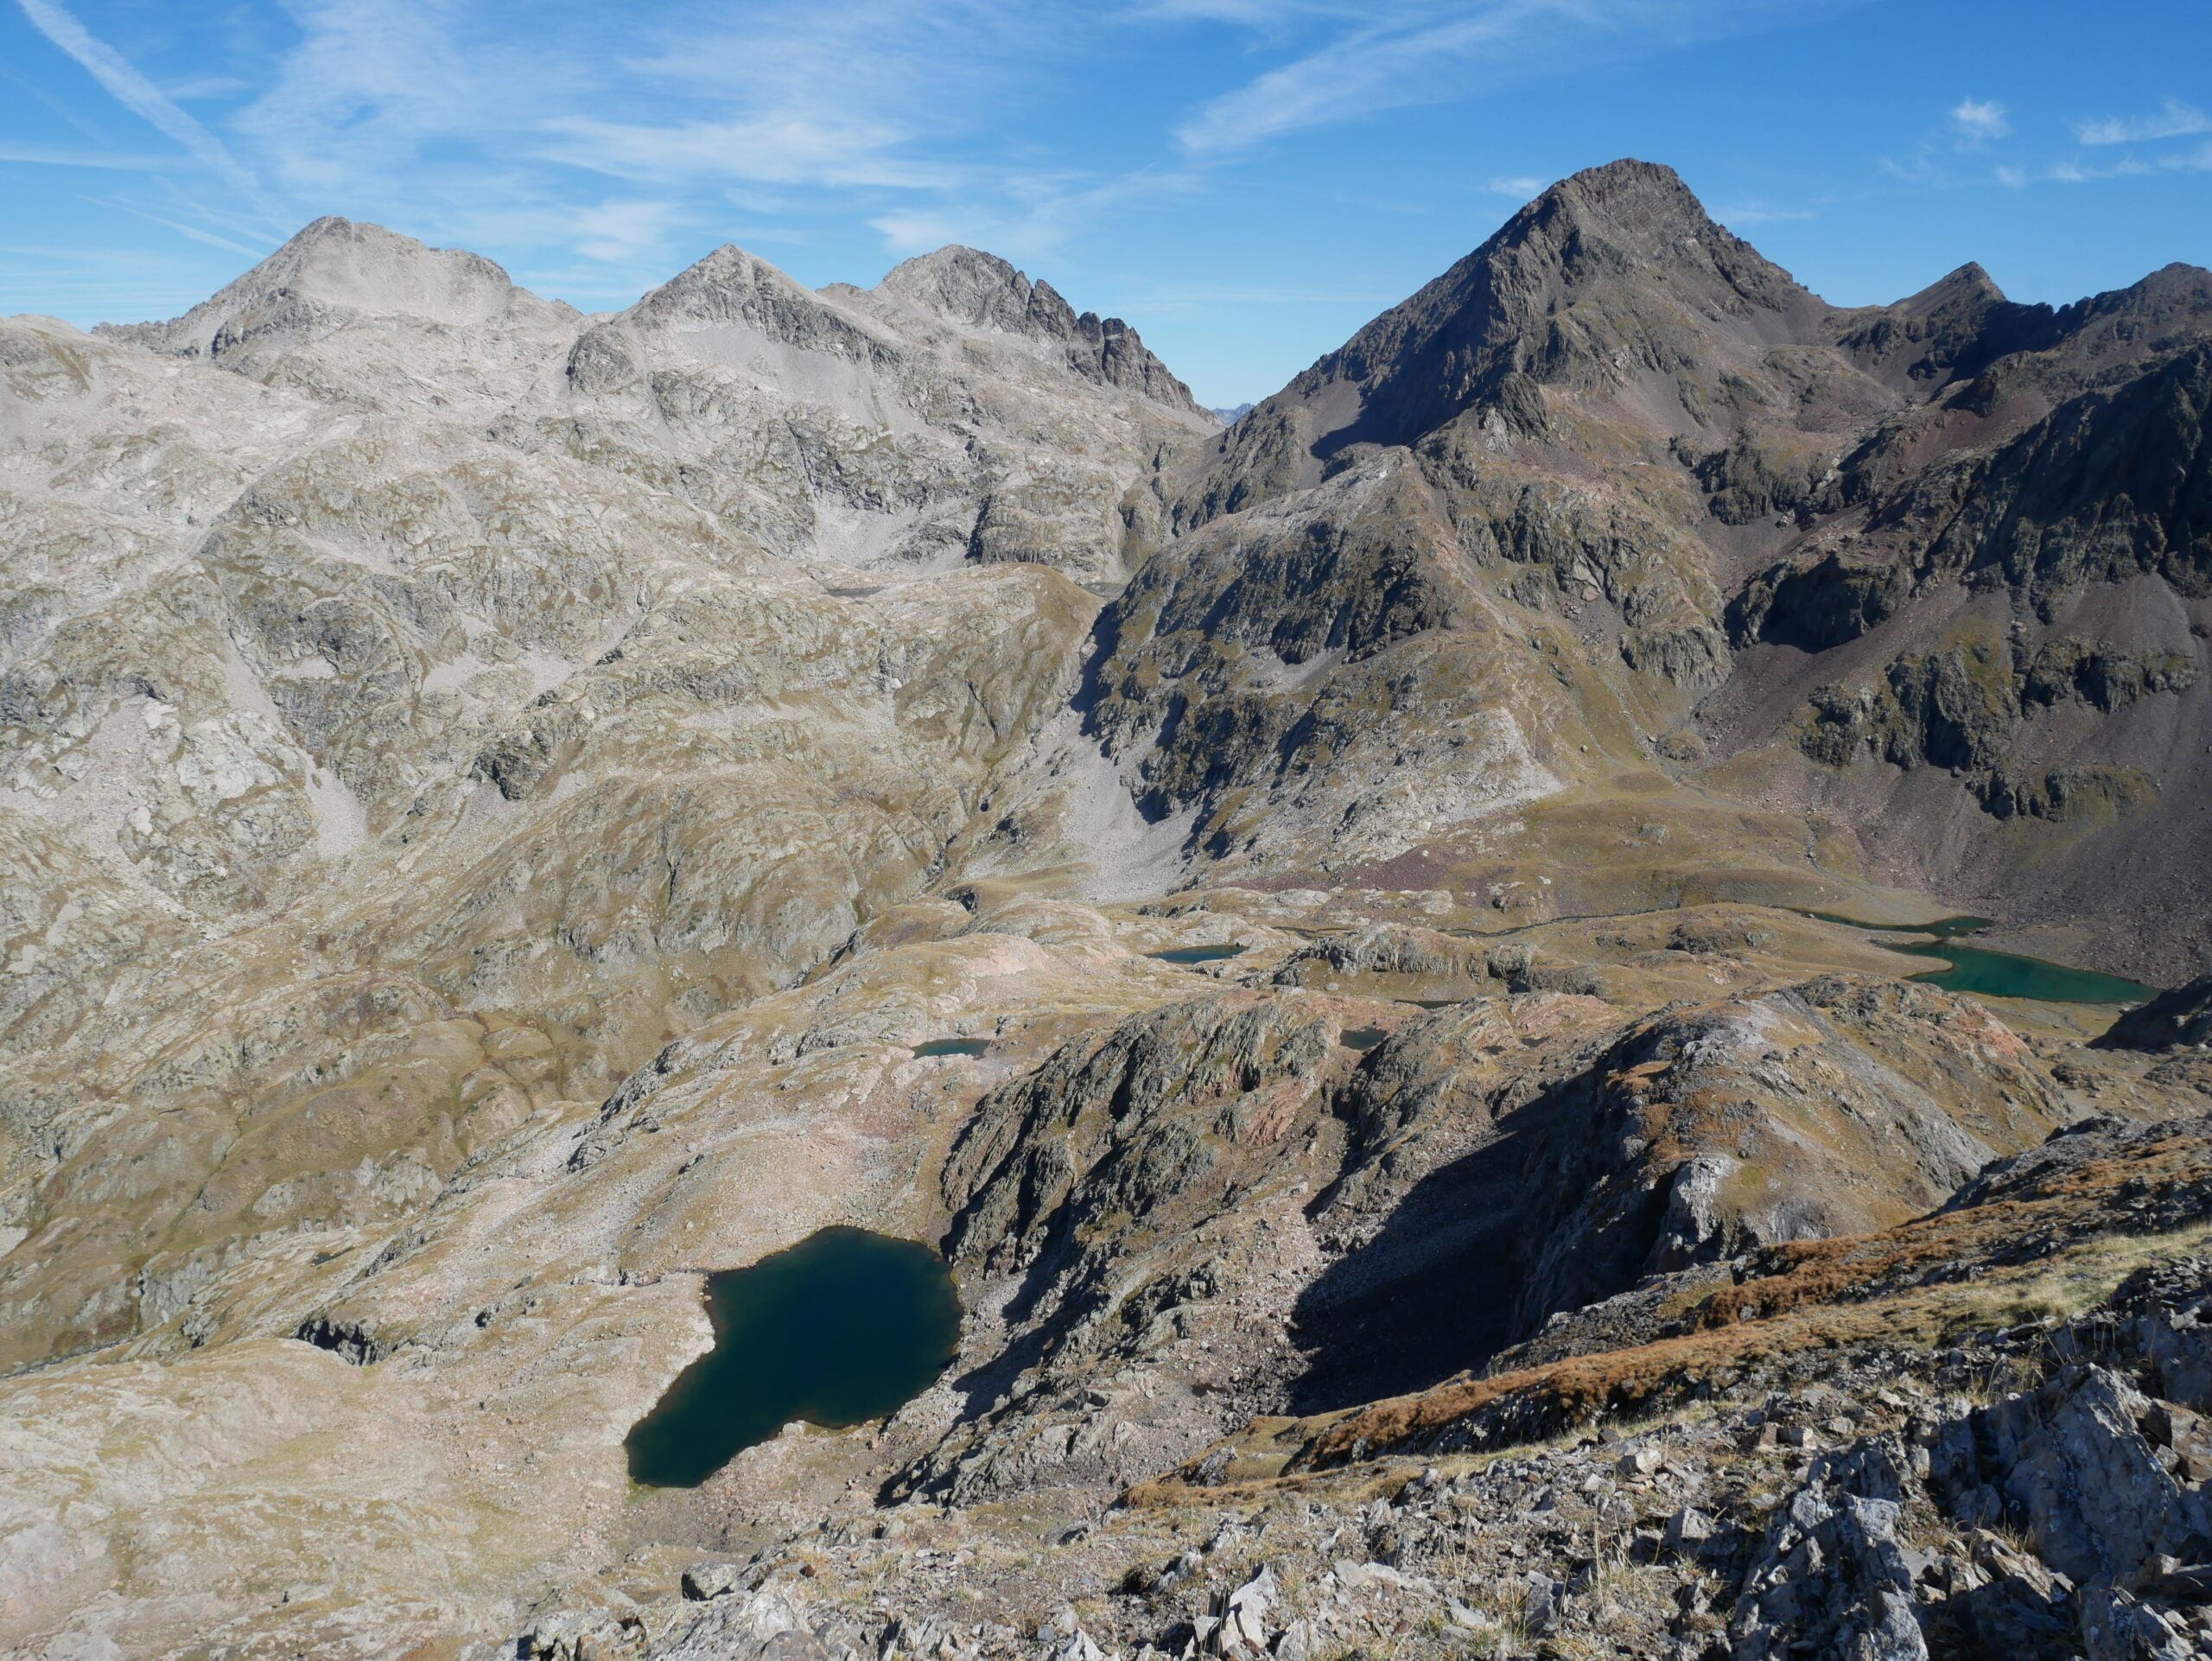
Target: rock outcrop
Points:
(2180, 1018)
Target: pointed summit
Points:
(1949, 329)
(1605, 275)
(1614, 284)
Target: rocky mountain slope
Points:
(502, 812)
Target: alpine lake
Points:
(1997, 974)
(843, 1327)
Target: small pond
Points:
(1361, 1038)
(1999, 974)
(1191, 954)
(953, 1046)
(843, 1327)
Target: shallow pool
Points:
(843, 1327)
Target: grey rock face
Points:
(1832, 1576)
(766, 1625)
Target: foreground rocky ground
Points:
(1978, 1434)
(1328, 922)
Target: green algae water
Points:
(843, 1327)
(1999, 974)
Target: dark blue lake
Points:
(843, 1327)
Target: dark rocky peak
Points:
(337, 271)
(1968, 292)
(1963, 328)
(1951, 330)
(2168, 311)
(1614, 280)
(1609, 273)
(2032, 359)
(974, 290)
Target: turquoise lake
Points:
(843, 1327)
(1999, 974)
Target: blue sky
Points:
(1245, 182)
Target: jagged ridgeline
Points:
(1375, 936)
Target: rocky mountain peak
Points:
(1614, 264)
(1970, 283)
(2141, 317)
(966, 285)
(369, 269)
(725, 285)
(733, 288)
(338, 270)
(1951, 327)
(1615, 280)
(1641, 209)
(971, 288)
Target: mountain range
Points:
(1367, 931)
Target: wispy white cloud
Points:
(783, 112)
(783, 149)
(1268, 20)
(197, 233)
(1519, 189)
(619, 230)
(1977, 121)
(207, 86)
(2074, 173)
(141, 97)
(1434, 51)
(1034, 216)
(2132, 167)
(60, 156)
(372, 85)
(2174, 120)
